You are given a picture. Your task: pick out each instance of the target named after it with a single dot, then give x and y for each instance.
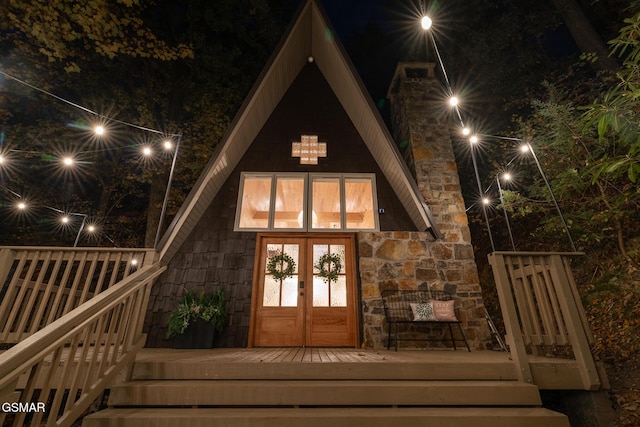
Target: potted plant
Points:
(196, 319)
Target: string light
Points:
(426, 24)
(506, 176)
(99, 130)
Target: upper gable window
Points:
(306, 202)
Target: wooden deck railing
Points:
(541, 307)
(66, 365)
(41, 284)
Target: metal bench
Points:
(398, 310)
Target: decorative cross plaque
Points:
(309, 149)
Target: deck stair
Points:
(320, 387)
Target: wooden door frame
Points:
(352, 270)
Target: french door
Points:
(305, 307)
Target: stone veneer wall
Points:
(414, 260)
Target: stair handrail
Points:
(541, 306)
(39, 284)
(65, 366)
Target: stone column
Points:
(403, 260)
(420, 118)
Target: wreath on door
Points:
(329, 267)
(281, 266)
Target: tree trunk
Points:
(584, 34)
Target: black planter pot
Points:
(199, 334)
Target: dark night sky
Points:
(351, 16)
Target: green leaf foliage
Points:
(208, 307)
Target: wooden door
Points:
(305, 309)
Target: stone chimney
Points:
(420, 120)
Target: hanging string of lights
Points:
(171, 141)
(168, 141)
(475, 138)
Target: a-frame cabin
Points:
(309, 168)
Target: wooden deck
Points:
(321, 355)
(345, 363)
(351, 363)
(318, 386)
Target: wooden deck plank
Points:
(350, 363)
(321, 417)
(258, 392)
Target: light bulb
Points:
(426, 22)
